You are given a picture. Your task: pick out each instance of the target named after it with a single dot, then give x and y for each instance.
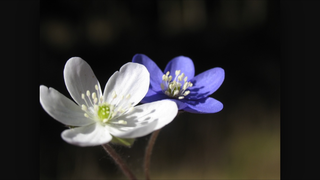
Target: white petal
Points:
(144, 119)
(61, 108)
(131, 81)
(92, 135)
(79, 78)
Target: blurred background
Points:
(241, 36)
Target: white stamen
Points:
(175, 92)
(162, 87)
(94, 95)
(97, 89)
(88, 94)
(186, 93)
(130, 108)
(181, 77)
(171, 85)
(175, 87)
(164, 77)
(122, 122)
(83, 97)
(177, 72)
(178, 85)
(114, 95)
(86, 115)
(96, 107)
(167, 93)
(185, 86)
(84, 107)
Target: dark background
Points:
(243, 37)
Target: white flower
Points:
(96, 116)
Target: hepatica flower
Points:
(97, 118)
(178, 83)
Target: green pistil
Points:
(104, 112)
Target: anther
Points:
(86, 115)
(181, 77)
(122, 122)
(164, 77)
(88, 93)
(84, 107)
(175, 87)
(114, 95)
(175, 93)
(162, 87)
(96, 107)
(171, 85)
(130, 108)
(177, 72)
(167, 93)
(94, 95)
(82, 96)
(186, 93)
(185, 86)
(178, 85)
(128, 96)
(96, 87)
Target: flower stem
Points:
(147, 156)
(149, 148)
(123, 166)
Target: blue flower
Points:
(178, 83)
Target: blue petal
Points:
(154, 70)
(180, 103)
(153, 96)
(156, 96)
(206, 83)
(182, 63)
(204, 106)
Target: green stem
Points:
(123, 166)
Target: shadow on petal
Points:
(195, 91)
(138, 122)
(155, 97)
(205, 105)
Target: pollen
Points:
(177, 87)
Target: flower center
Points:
(104, 111)
(176, 88)
(95, 108)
